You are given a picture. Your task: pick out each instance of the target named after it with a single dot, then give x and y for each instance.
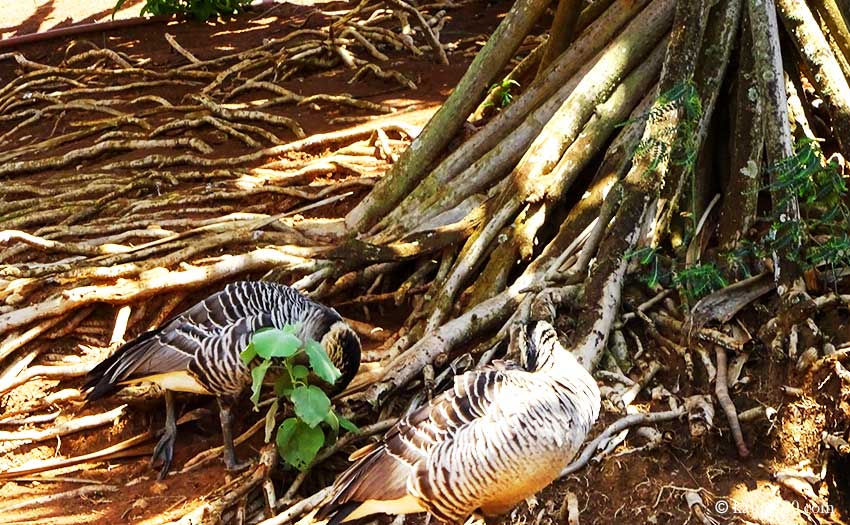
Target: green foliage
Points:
(678, 144)
(503, 93)
(648, 257)
(198, 9)
(700, 280)
(822, 236)
(315, 423)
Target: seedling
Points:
(279, 354)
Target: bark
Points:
(769, 71)
(533, 175)
(838, 30)
(562, 33)
(515, 121)
(714, 58)
(411, 166)
(826, 73)
(592, 138)
(741, 193)
(640, 186)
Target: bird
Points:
(199, 351)
(498, 436)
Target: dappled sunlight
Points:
(760, 501)
(36, 16)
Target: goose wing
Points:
(384, 474)
(171, 348)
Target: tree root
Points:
(68, 427)
(614, 428)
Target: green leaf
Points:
(283, 385)
(300, 372)
(321, 363)
(298, 443)
(347, 425)
(248, 354)
(118, 6)
(311, 404)
(258, 373)
(291, 329)
(332, 421)
(275, 343)
(270, 415)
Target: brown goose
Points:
(198, 351)
(499, 436)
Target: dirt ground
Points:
(629, 486)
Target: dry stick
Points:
(302, 507)
(236, 114)
(310, 142)
(553, 89)
(641, 185)
(722, 391)
(47, 372)
(68, 394)
(705, 334)
(716, 49)
(389, 74)
(180, 49)
(20, 363)
(826, 73)
(81, 492)
(347, 100)
(9, 236)
(432, 39)
(539, 166)
(615, 428)
(17, 340)
(42, 418)
(218, 501)
(412, 165)
(68, 427)
(738, 211)
(108, 53)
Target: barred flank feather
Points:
(500, 435)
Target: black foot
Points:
(235, 466)
(164, 451)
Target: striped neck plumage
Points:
(545, 355)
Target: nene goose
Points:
(198, 351)
(499, 436)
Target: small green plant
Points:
(503, 93)
(820, 237)
(648, 257)
(278, 353)
(739, 260)
(679, 143)
(198, 9)
(700, 280)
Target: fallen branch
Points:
(722, 392)
(50, 498)
(616, 427)
(68, 427)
